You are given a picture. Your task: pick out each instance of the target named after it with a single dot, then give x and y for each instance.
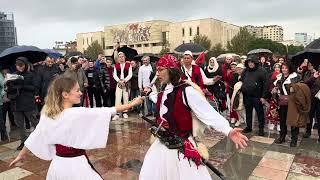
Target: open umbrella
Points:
(196, 49)
(222, 57)
(153, 58)
(311, 52)
(9, 56)
(73, 53)
(129, 52)
(258, 51)
(52, 53)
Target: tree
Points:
(275, 47)
(165, 48)
(217, 50)
(93, 50)
(294, 49)
(203, 41)
(240, 43)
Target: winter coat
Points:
(25, 92)
(283, 84)
(299, 105)
(134, 79)
(92, 75)
(237, 95)
(314, 85)
(45, 76)
(2, 92)
(218, 89)
(78, 75)
(255, 82)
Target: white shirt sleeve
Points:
(153, 96)
(140, 77)
(205, 112)
(206, 81)
(126, 79)
(115, 76)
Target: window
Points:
(87, 41)
(139, 45)
(146, 45)
(103, 43)
(182, 42)
(109, 47)
(83, 41)
(132, 46)
(190, 31)
(182, 31)
(190, 41)
(91, 40)
(198, 31)
(164, 37)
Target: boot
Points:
(280, 139)
(260, 132)
(19, 148)
(293, 143)
(247, 130)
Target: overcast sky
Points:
(42, 22)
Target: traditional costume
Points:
(174, 106)
(63, 141)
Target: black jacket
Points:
(255, 82)
(93, 77)
(45, 76)
(25, 93)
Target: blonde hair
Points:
(54, 100)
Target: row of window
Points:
(138, 45)
(190, 31)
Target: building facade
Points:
(8, 35)
(303, 38)
(272, 32)
(153, 36)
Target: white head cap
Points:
(121, 53)
(188, 53)
(240, 65)
(229, 56)
(243, 57)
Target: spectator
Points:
(94, 85)
(22, 95)
(108, 83)
(282, 83)
(76, 72)
(45, 76)
(265, 64)
(134, 88)
(6, 105)
(122, 75)
(254, 89)
(3, 131)
(144, 81)
(314, 85)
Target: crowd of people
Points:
(234, 87)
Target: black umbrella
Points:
(196, 49)
(153, 58)
(129, 52)
(313, 55)
(9, 56)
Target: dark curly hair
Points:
(174, 76)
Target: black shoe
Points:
(246, 130)
(280, 140)
(19, 148)
(150, 114)
(307, 135)
(315, 126)
(260, 132)
(293, 143)
(4, 136)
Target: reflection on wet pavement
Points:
(128, 143)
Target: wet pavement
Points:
(128, 143)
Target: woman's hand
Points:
(137, 101)
(239, 139)
(19, 158)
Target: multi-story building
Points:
(152, 36)
(272, 32)
(303, 38)
(8, 35)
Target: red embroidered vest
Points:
(196, 76)
(178, 117)
(125, 70)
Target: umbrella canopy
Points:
(153, 58)
(311, 52)
(52, 53)
(9, 56)
(258, 51)
(222, 57)
(196, 49)
(74, 53)
(129, 52)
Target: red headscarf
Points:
(168, 61)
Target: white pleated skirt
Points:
(75, 168)
(161, 163)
